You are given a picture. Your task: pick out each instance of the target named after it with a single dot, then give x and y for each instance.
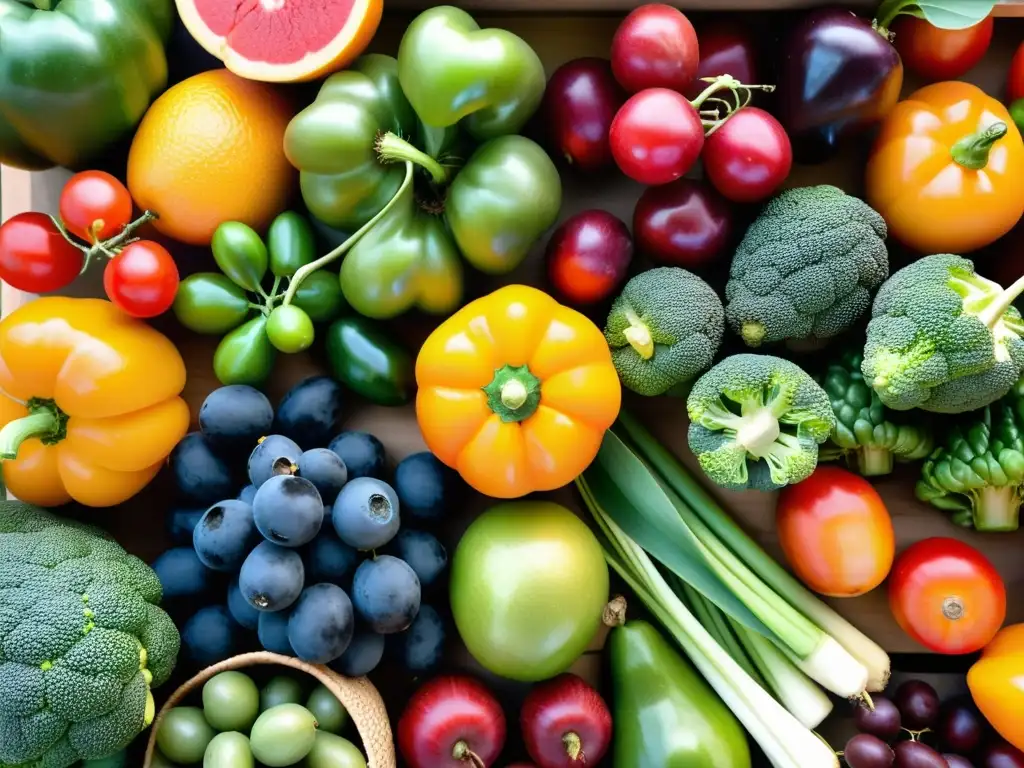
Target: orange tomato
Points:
(947, 170)
(836, 532)
(516, 392)
(996, 682)
(947, 596)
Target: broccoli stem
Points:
(639, 335)
(994, 312)
(758, 432)
(972, 151)
(996, 508)
(872, 462)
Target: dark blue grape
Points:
(235, 417)
(386, 594)
(363, 655)
(200, 474)
(182, 521)
(328, 558)
(272, 577)
(426, 488)
(422, 551)
(321, 623)
(422, 645)
(365, 514)
(210, 636)
(275, 455)
(288, 510)
(247, 494)
(363, 454)
(310, 413)
(182, 574)
(225, 535)
(240, 609)
(324, 469)
(273, 632)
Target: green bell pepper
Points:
(665, 714)
(77, 75)
(414, 203)
(363, 358)
(1017, 113)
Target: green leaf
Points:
(955, 14)
(626, 489)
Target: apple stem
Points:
(461, 751)
(574, 747)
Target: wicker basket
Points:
(357, 695)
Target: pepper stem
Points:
(574, 747)
(639, 336)
(392, 148)
(44, 420)
(514, 393)
(972, 151)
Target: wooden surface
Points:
(1002, 7)
(139, 526)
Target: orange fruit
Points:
(282, 41)
(210, 150)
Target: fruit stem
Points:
(461, 751)
(735, 87)
(614, 613)
(513, 394)
(574, 747)
(392, 148)
(887, 13)
(307, 269)
(971, 152)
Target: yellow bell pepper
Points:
(515, 391)
(89, 402)
(996, 682)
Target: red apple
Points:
(588, 256)
(683, 224)
(579, 105)
(565, 723)
(452, 722)
(655, 47)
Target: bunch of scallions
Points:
(761, 639)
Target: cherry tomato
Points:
(940, 54)
(748, 157)
(95, 206)
(655, 46)
(656, 137)
(947, 596)
(1015, 81)
(142, 279)
(34, 256)
(836, 532)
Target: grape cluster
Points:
(938, 734)
(297, 521)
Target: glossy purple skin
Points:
(837, 76)
(579, 105)
(958, 761)
(1003, 755)
(682, 224)
(914, 754)
(961, 727)
(588, 256)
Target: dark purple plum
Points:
(914, 754)
(918, 704)
(867, 751)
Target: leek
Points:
(695, 498)
(785, 741)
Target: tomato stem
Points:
(972, 151)
(574, 747)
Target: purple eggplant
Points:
(838, 75)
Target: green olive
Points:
(281, 689)
(231, 702)
(240, 253)
(228, 750)
(332, 751)
(184, 735)
(290, 329)
(291, 243)
(330, 714)
(283, 735)
(320, 296)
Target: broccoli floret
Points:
(806, 268)
(664, 330)
(978, 474)
(866, 434)
(942, 338)
(82, 641)
(756, 422)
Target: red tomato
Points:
(836, 532)
(940, 54)
(34, 256)
(656, 136)
(655, 46)
(95, 206)
(1015, 81)
(748, 157)
(142, 279)
(947, 596)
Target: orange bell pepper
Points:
(516, 392)
(947, 170)
(89, 402)
(996, 682)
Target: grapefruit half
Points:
(282, 41)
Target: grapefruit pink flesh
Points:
(282, 40)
